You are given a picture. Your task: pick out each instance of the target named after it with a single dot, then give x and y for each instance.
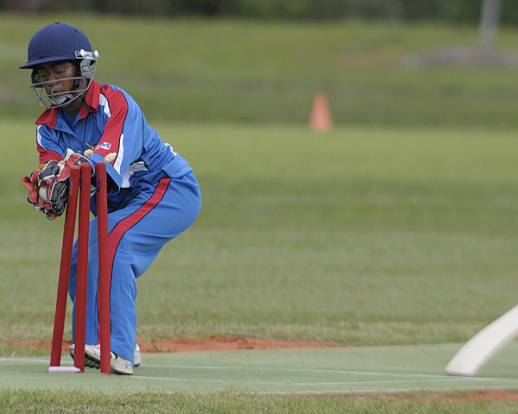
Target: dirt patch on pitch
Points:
(212, 343)
(460, 398)
(483, 396)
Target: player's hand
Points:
(47, 187)
(36, 184)
(30, 182)
(46, 192)
(54, 180)
(69, 161)
(52, 190)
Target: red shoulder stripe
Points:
(48, 117)
(110, 140)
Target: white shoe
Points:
(119, 365)
(92, 355)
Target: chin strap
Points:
(62, 100)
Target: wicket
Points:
(80, 183)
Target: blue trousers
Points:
(159, 213)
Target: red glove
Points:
(43, 193)
(48, 186)
(69, 161)
(30, 182)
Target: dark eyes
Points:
(43, 75)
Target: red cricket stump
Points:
(82, 266)
(80, 183)
(64, 270)
(104, 271)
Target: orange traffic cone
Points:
(320, 117)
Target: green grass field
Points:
(395, 234)
(362, 236)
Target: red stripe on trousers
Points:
(120, 229)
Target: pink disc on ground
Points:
(63, 370)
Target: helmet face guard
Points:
(50, 99)
(55, 43)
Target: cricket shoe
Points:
(119, 365)
(89, 362)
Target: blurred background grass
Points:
(193, 69)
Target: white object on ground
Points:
(63, 370)
(479, 349)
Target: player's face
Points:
(56, 76)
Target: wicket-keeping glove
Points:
(52, 190)
(48, 186)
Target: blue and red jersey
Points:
(110, 122)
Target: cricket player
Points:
(153, 195)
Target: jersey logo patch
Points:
(106, 145)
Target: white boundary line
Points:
(24, 360)
(286, 383)
(326, 371)
(315, 370)
(176, 379)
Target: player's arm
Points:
(49, 154)
(122, 141)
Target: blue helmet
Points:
(58, 42)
